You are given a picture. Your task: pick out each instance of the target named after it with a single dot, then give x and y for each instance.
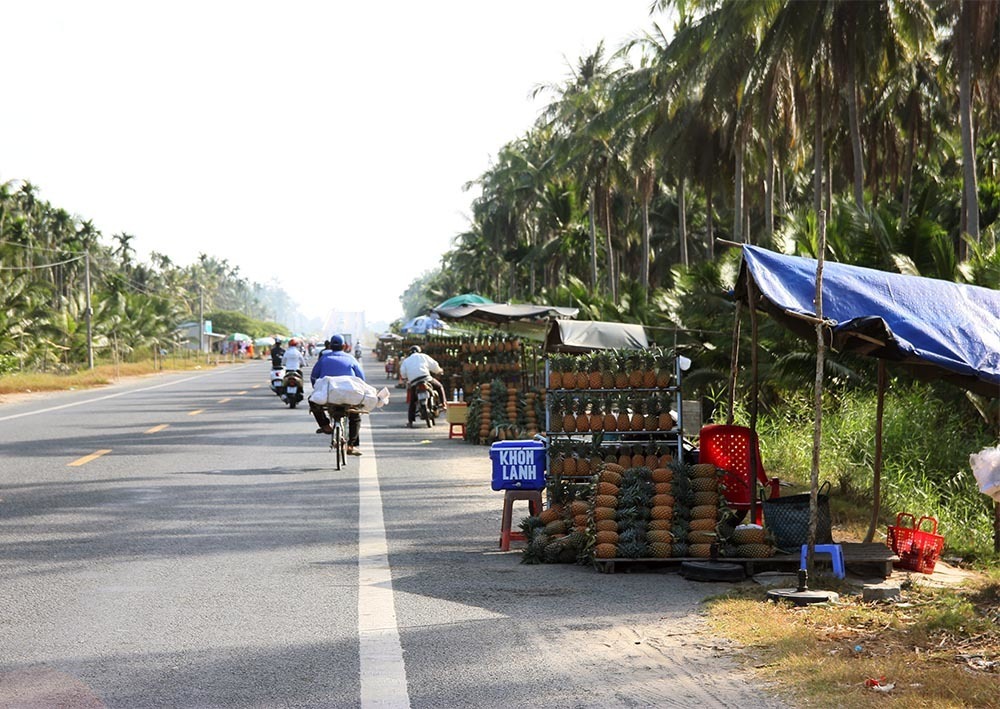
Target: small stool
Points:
(836, 556)
(456, 415)
(534, 498)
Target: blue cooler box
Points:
(518, 465)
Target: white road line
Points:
(383, 673)
(110, 396)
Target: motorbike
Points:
(292, 384)
(428, 404)
(277, 380)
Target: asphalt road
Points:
(184, 541)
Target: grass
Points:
(940, 647)
(100, 375)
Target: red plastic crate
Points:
(917, 550)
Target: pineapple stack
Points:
(633, 513)
(532, 401)
(705, 507)
(752, 542)
(559, 534)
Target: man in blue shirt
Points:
(337, 363)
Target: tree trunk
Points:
(904, 213)
(769, 192)
(682, 223)
(609, 249)
(851, 92)
(738, 190)
(968, 136)
(709, 221)
(818, 149)
(593, 243)
(644, 266)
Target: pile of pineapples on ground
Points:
(676, 511)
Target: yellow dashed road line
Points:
(223, 401)
(157, 429)
(195, 412)
(87, 458)
(241, 393)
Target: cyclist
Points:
(336, 363)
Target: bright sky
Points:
(321, 143)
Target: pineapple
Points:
(583, 465)
(633, 550)
(607, 538)
(556, 364)
(632, 371)
(596, 415)
(651, 460)
(569, 415)
(624, 455)
(701, 537)
(608, 367)
(609, 476)
(624, 423)
(701, 551)
(665, 421)
(607, 489)
(662, 501)
(606, 525)
(595, 377)
(705, 512)
(755, 551)
(557, 526)
(663, 475)
(638, 419)
(606, 551)
(705, 484)
(614, 467)
(580, 522)
(749, 534)
(621, 371)
(649, 369)
(703, 470)
(578, 507)
(678, 549)
(660, 525)
(665, 369)
(663, 488)
(570, 463)
(583, 373)
(660, 550)
(702, 525)
(555, 418)
(661, 512)
(605, 501)
(704, 498)
(604, 513)
(550, 515)
(610, 420)
(656, 535)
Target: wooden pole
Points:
(752, 299)
(877, 473)
(818, 412)
(734, 363)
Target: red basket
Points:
(917, 550)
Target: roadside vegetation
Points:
(939, 647)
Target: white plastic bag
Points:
(986, 467)
(348, 391)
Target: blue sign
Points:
(518, 465)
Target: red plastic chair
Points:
(728, 447)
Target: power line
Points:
(33, 248)
(44, 265)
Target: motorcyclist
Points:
(336, 363)
(277, 352)
(416, 368)
(293, 357)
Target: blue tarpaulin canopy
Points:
(938, 329)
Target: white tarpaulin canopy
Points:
(577, 336)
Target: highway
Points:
(184, 541)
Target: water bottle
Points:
(454, 394)
(461, 395)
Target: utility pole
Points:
(201, 320)
(89, 311)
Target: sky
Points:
(322, 145)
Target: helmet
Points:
(293, 342)
(336, 342)
(277, 340)
(414, 349)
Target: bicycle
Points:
(338, 438)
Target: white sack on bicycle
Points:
(348, 391)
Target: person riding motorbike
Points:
(293, 357)
(334, 364)
(416, 368)
(277, 352)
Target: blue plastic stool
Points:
(836, 556)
